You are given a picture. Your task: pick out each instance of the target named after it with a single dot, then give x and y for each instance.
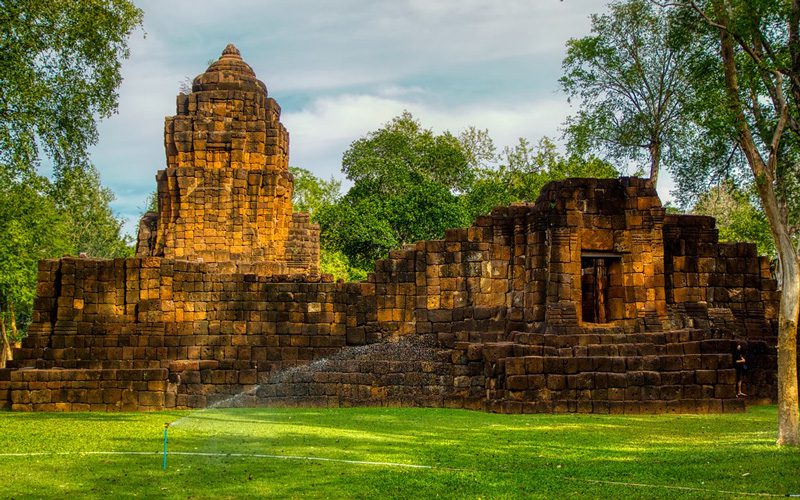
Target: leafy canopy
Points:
(401, 151)
(632, 84)
(59, 72)
(411, 184)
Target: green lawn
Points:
(232, 453)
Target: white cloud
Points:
(340, 69)
(322, 131)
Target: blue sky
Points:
(341, 69)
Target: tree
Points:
(402, 148)
(406, 185)
(91, 225)
(738, 216)
(365, 224)
(758, 58)
(32, 229)
(479, 147)
(633, 87)
(523, 173)
(59, 72)
(311, 192)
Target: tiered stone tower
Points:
(226, 194)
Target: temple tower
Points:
(226, 194)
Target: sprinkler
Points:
(164, 463)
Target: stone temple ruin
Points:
(591, 299)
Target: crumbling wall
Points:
(723, 284)
(173, 333)
(226, 194)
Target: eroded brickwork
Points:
(498, 310)
(591, 299)
(226, 194)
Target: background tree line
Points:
(411, 184)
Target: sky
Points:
(342, 69)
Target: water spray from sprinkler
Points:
(164, 463)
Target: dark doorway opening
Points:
(601, 275)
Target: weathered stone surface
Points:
(591, 299)
(226, 194)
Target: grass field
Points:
(240, 453)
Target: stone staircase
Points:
(600, 371)
(410, 371)
(609, 371)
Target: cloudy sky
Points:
(341, 69)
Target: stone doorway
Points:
(601, 279)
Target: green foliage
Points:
(151, 203)
(410, 184)
(714, 157)
(91, 226)
(311, 193)
(317, 196)
(255, 453)
(632, 83)
(765, 75)
(525, 172)
(59, 72)
(739, 218)
(336, 263)
(32, 228)
(43, 220)
(478, 146)
(405, 184)
(355, 228)
(402, 150)
(365, 225)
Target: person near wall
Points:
(740, 362)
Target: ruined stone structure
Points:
(591, 299)
(226, 194)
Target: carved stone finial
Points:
(231, 50)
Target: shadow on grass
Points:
(472, 454)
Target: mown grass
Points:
(471, 454)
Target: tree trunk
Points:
(655, 160)
(787, 353)
(5, 349)
(764, 174)
(14, 332)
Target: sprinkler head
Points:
(166, 425)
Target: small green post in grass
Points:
(164, 462)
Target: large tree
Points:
(632, 85)
(406, 185)
(757, 53)
(59, 73)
